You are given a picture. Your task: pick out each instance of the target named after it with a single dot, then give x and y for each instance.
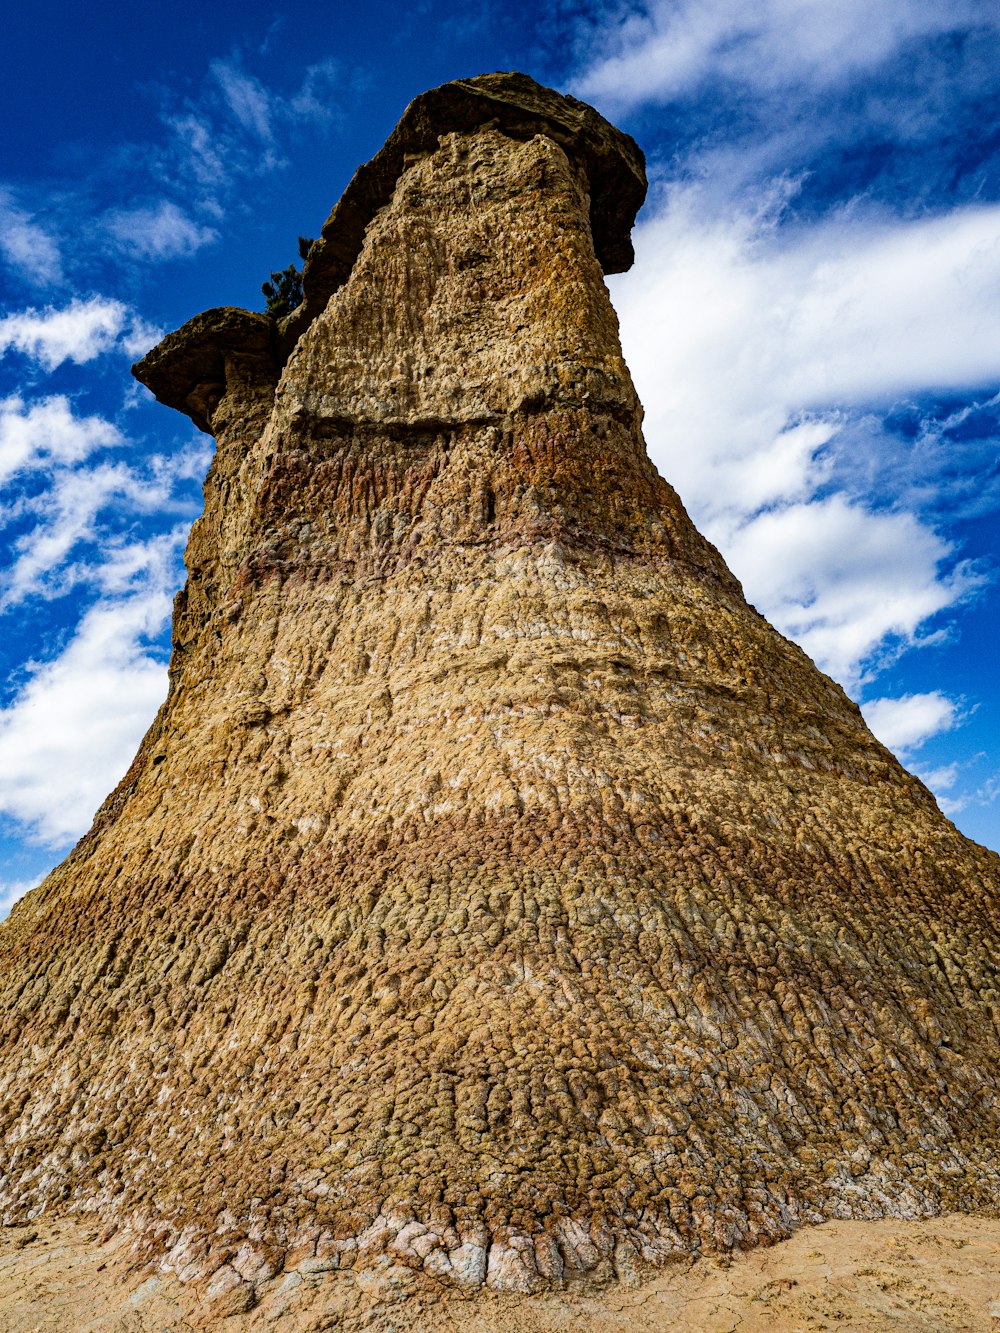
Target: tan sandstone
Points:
(498, 903)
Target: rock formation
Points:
(497, 898)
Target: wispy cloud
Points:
(893, 104)
(317, 100)
(27, 246)
(50, 559)
(666, 48)
(47, 433)
(162, 198)
(236, 128)
(73, 525)
(158, 231)
(246, 97)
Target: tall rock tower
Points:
(497, 898)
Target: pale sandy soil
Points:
(937, 1274)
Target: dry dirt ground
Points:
(935, 1274)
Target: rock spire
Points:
(496, 898)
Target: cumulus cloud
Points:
(158, 231)
(73, 524)
(758, 351)
(737, 332)
(811, 318)
(81, 514)
(904, 724)
(884, 308)
(77, 332)
(26, 245)
(71, 731)
(49, 559)
(852, 586)
(46, 433)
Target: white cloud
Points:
(50, 559)
(949, 806)
(73, 729)
(77, 332)
(736, 332)
(258, 109)
(757, 351)
(158, 231)
(26, 245)
(315, 98)
(235, 129)
(201, 150)
(140, 337)
(11, 891)
(939, 779)
(905, 723)
(46, 432)
(886, 308)
(667, 48)
(79, 508)
(247, 98)
(81, 521)
(845, 582)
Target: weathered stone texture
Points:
(497, 896)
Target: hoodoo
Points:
(497, 899)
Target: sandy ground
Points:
(936, 1274)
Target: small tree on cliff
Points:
(284, 291)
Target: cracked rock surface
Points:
(930, 1276)
(497, 900)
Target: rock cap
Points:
(187, 370)
(521, 108)
(190, 368)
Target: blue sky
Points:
(812, 323)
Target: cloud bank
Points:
(71, 731)
(811, 320)
(758, 353)
(95, 527)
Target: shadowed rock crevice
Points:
(497, 898)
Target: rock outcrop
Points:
(497, 898)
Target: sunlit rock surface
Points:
(497, 899)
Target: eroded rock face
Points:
(497, 897)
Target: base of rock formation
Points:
(931, 1274)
